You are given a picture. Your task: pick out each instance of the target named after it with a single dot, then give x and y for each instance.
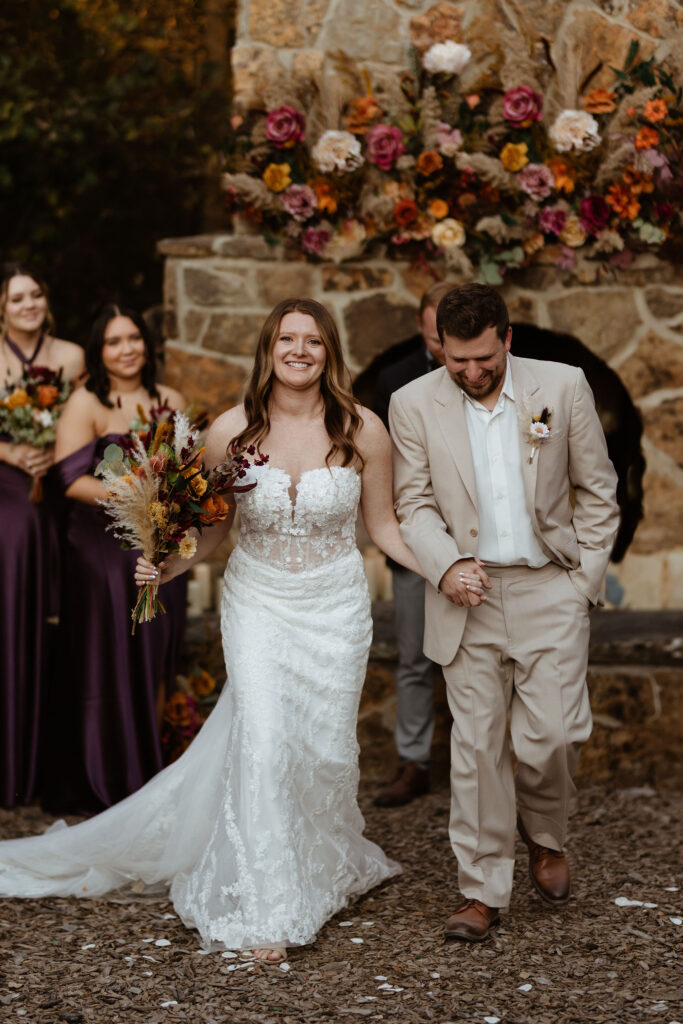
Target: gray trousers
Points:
(415, 673)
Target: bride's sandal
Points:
(273, 955)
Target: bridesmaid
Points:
(26, 339)
(106, 706)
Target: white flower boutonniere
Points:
(539, 430)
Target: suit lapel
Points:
(526, 388)
(450, 413)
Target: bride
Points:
(256, 828)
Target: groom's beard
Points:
(490, 380)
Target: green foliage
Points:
(109, 112)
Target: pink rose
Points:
(522, 106)
(536, 180)
(299, 201)
(594, 214)
(284, 127)
(551, 221)
(314, 240)
(384, 145)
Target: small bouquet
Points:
(157, 491)
(30, 408)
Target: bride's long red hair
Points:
(341, 418)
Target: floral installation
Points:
(186, 711)
(539, 430)
(158, 491)
(480, 178)
(29, 410)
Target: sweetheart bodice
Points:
(320, 526)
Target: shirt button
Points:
(474, 533)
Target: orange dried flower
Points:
(533, 244)
(47, 395)
(630, 111)
(17, 399)
(363, 112)
(214, 510)
(326, 195)
(438, 209)
(646, 138)
(655, 111)
(429, 162)
(563, 174)
(405, 212)
(472, 100)
(622, 201)
(637, 181)
(599, 101)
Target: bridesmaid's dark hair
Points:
(98, 379)
(24, 270)
(342, 421)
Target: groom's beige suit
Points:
(523, 653)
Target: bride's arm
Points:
(218, 438)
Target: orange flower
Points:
(438, 209)
(637, 181)
(214, 510)
(17, 399)
(630, 111)
(533, 244)
(429, 162)
(472, 100)
(599, 101)
(405, 212)
(655, 111)
(647, 138)
(622, 201)
(326, 196)
(177, 712)
(363, 111)
(47, 395)
(563, 174)
(202, 683)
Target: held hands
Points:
(32, 460)
(464, 583)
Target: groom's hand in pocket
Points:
(464, 583)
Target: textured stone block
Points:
(254, 68)
(214, 384)
(604, 319)
(194, 323)
(656, 363)
(251, 247)
(660, 529)
(664, 427)
(350, 277)
(209, 286)
(664, 303)
(277, 22)
(364, 31)
(376, 322)
(659, 18)
(193, 245)
(233, 333)
(285, 281)
(440, 22)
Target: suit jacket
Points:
(570, 484)
(397, 375)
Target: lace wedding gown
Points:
(255, 828)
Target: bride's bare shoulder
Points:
(221, 432)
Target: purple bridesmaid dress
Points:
(23, 611)
(102, 739)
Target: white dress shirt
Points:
(506, 536)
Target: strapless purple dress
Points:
(102, 740)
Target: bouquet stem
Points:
(36, 493)
(148, 605)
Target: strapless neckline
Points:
(294, 487)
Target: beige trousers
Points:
(524, 653)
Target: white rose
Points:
(337, 151)
(574, 129)
(44, 417)
(446, 58)
(448, 234)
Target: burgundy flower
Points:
(384, 145)
(299, 201)
(551, 221)
(522, 106)
(594, 214)
(314, 241)
(285, 127)
(664, 211)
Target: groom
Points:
(501, 468)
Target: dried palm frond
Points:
(488, 168)
(458, 262)
(430, 116)
(253, 191)
(497, 229)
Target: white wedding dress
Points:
(256, 828)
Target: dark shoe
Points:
(410, 782)
(548, 870)
(472, 921)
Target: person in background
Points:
(109, 686)
(415, 671)
(27, 339)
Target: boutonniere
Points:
(539, 430)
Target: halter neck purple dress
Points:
(24, 579)
(102, 741)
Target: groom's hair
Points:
(467, 310)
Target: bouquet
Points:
(158, 490)
(30, 408)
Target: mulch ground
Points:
(128, 958)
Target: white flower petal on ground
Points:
(676, 920)
(671, 888)
(148, 974)
(162, 942)
(285, 967)
(380, 977)
(89, 945)
(624, 901)
(203, 952)
(345, 924)
(524, 988)
(492, 1020)
(650, 906)
(358, 940)
(149, 940)
(170, 917)
(367, 924)
(153, 959)
(171, 1002)
(435, 974)
(366, 999)
(229, 955)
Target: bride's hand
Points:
(147, 572)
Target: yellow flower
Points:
(533, 244)
(198, 485)
(438, 209)
(514, 156)
(572, 233)
(17, 399)
(157, 514)
(187, 547)
(277, 177)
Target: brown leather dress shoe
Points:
(410, 781)
(472, 921)
(548, 870)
